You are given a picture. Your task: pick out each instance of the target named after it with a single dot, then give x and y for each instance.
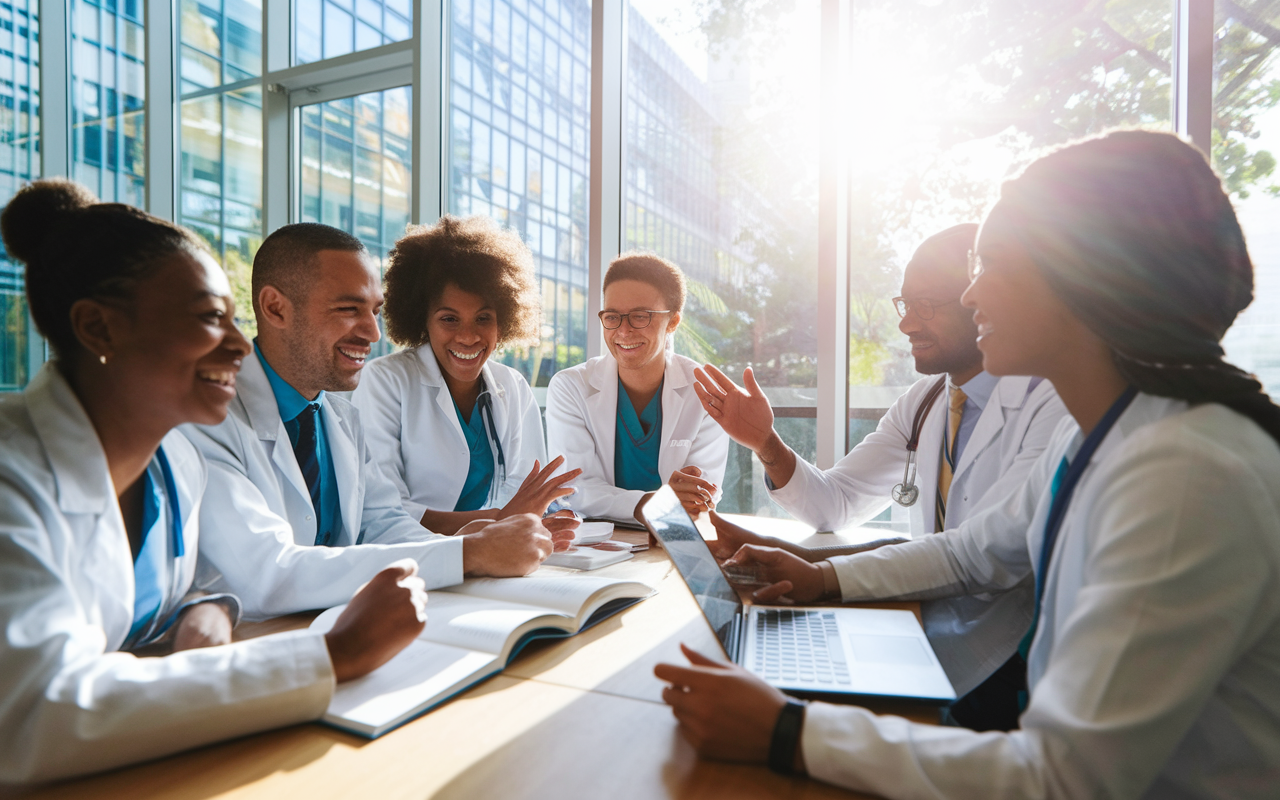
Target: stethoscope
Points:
(485, 402)
(906, 493)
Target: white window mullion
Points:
(1193, 71)
(161, 107)
(429, 96)
(608, 100)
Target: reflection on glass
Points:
(328, 28)
(108, 95)
(355, 168)
(221, 42)
(19, 163)
(1246, 139)
(955, 103)
(519, 114)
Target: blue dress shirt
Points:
(977, 391)
(291, 403)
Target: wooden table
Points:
(580, 717)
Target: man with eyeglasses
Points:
(976, 437)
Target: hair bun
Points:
(33, 214)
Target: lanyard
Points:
(1062, 497)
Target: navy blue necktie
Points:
(309, 463)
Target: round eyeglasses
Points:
(924, 308)
(637, 319)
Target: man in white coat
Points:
(977, 438)
(297, 514)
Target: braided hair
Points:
(1134, 233)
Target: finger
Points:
(759, 554)
(749, 378)
(708, 383)
(562, 479)
(550, 469)
(679, 480)
(562, 545)
(706, 401)
(692, 470)
(722, 382)
(399, 570)
(699, 659)
(558, 525)
(774, 592)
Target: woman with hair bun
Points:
(99, 509)
(459, 433)
(1151, 526)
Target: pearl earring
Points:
(102, 359)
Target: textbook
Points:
(473, 631)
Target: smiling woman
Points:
(460, 434)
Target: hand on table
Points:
(745, 414)
(730, 537)
(724, 711)
(540, 489)
(511, 547)
(694, 492)
(790, 577)
(202, 625)
(562, 525)
(384, 616)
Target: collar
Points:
(289, 400)
(71, 444)
(979, 388)
(603, 372)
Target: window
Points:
(1246, 140)
(519, 89)
(329, 28)
(19, 163)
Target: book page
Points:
(566, 594)
(478, 623)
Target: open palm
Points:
(745, 414)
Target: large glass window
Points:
(721, 178)
(329, 28)
(1246, 140)
(519, 116)
(356, 166)
(221, 134)
(108, 95)
(19, 163)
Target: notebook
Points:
(473, 631)
(819, 650)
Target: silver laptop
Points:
(815, 649)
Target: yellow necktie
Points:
(947, 468)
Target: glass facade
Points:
(108, 98)
(1246, 141)
(19, 163)
(329, 28)
(519, 116)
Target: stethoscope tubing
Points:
(906, 493)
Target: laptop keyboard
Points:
(799, 646)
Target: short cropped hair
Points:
(654, 270)
(478, 257)
(287, 257)
(950, 249)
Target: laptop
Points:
(815, 650)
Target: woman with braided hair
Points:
(1151, 526)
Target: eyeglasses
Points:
(637, 319)
(924, 308)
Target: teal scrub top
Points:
(475, 491)
(636, 443)
(152, 567)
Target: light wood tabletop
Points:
(579, 717)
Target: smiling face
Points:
(638, 349)
(177, 349)
(462, 330)
(948, 341)
(327, 336)
(1023, 328)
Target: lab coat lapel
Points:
(675, 384)
(1008, 394)
(254, 390)
(602, 409)
(346, 469)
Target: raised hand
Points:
(789, 576)
(384, 616)
(510, 547)
(694, 492)
(745, 414)
(540, 489)
(202, 625)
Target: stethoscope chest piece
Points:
(905, 495)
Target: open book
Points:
(473, 631)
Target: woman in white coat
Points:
(1111, 267)
(631, 419)
(99, 510)
(460, 435)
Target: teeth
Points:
(629, 346)
(222, 378)
(465, 356)
(353, 354)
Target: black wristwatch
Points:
(786, 738)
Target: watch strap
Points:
(786, 737)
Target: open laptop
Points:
(812, 650)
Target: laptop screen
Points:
(670, 523)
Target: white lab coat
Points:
(70, 703)
(413, 429)
(582, 418)
(1155, 670)
(972, 634)
(260, 527)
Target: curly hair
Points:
(475, 255)
(652, 269)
